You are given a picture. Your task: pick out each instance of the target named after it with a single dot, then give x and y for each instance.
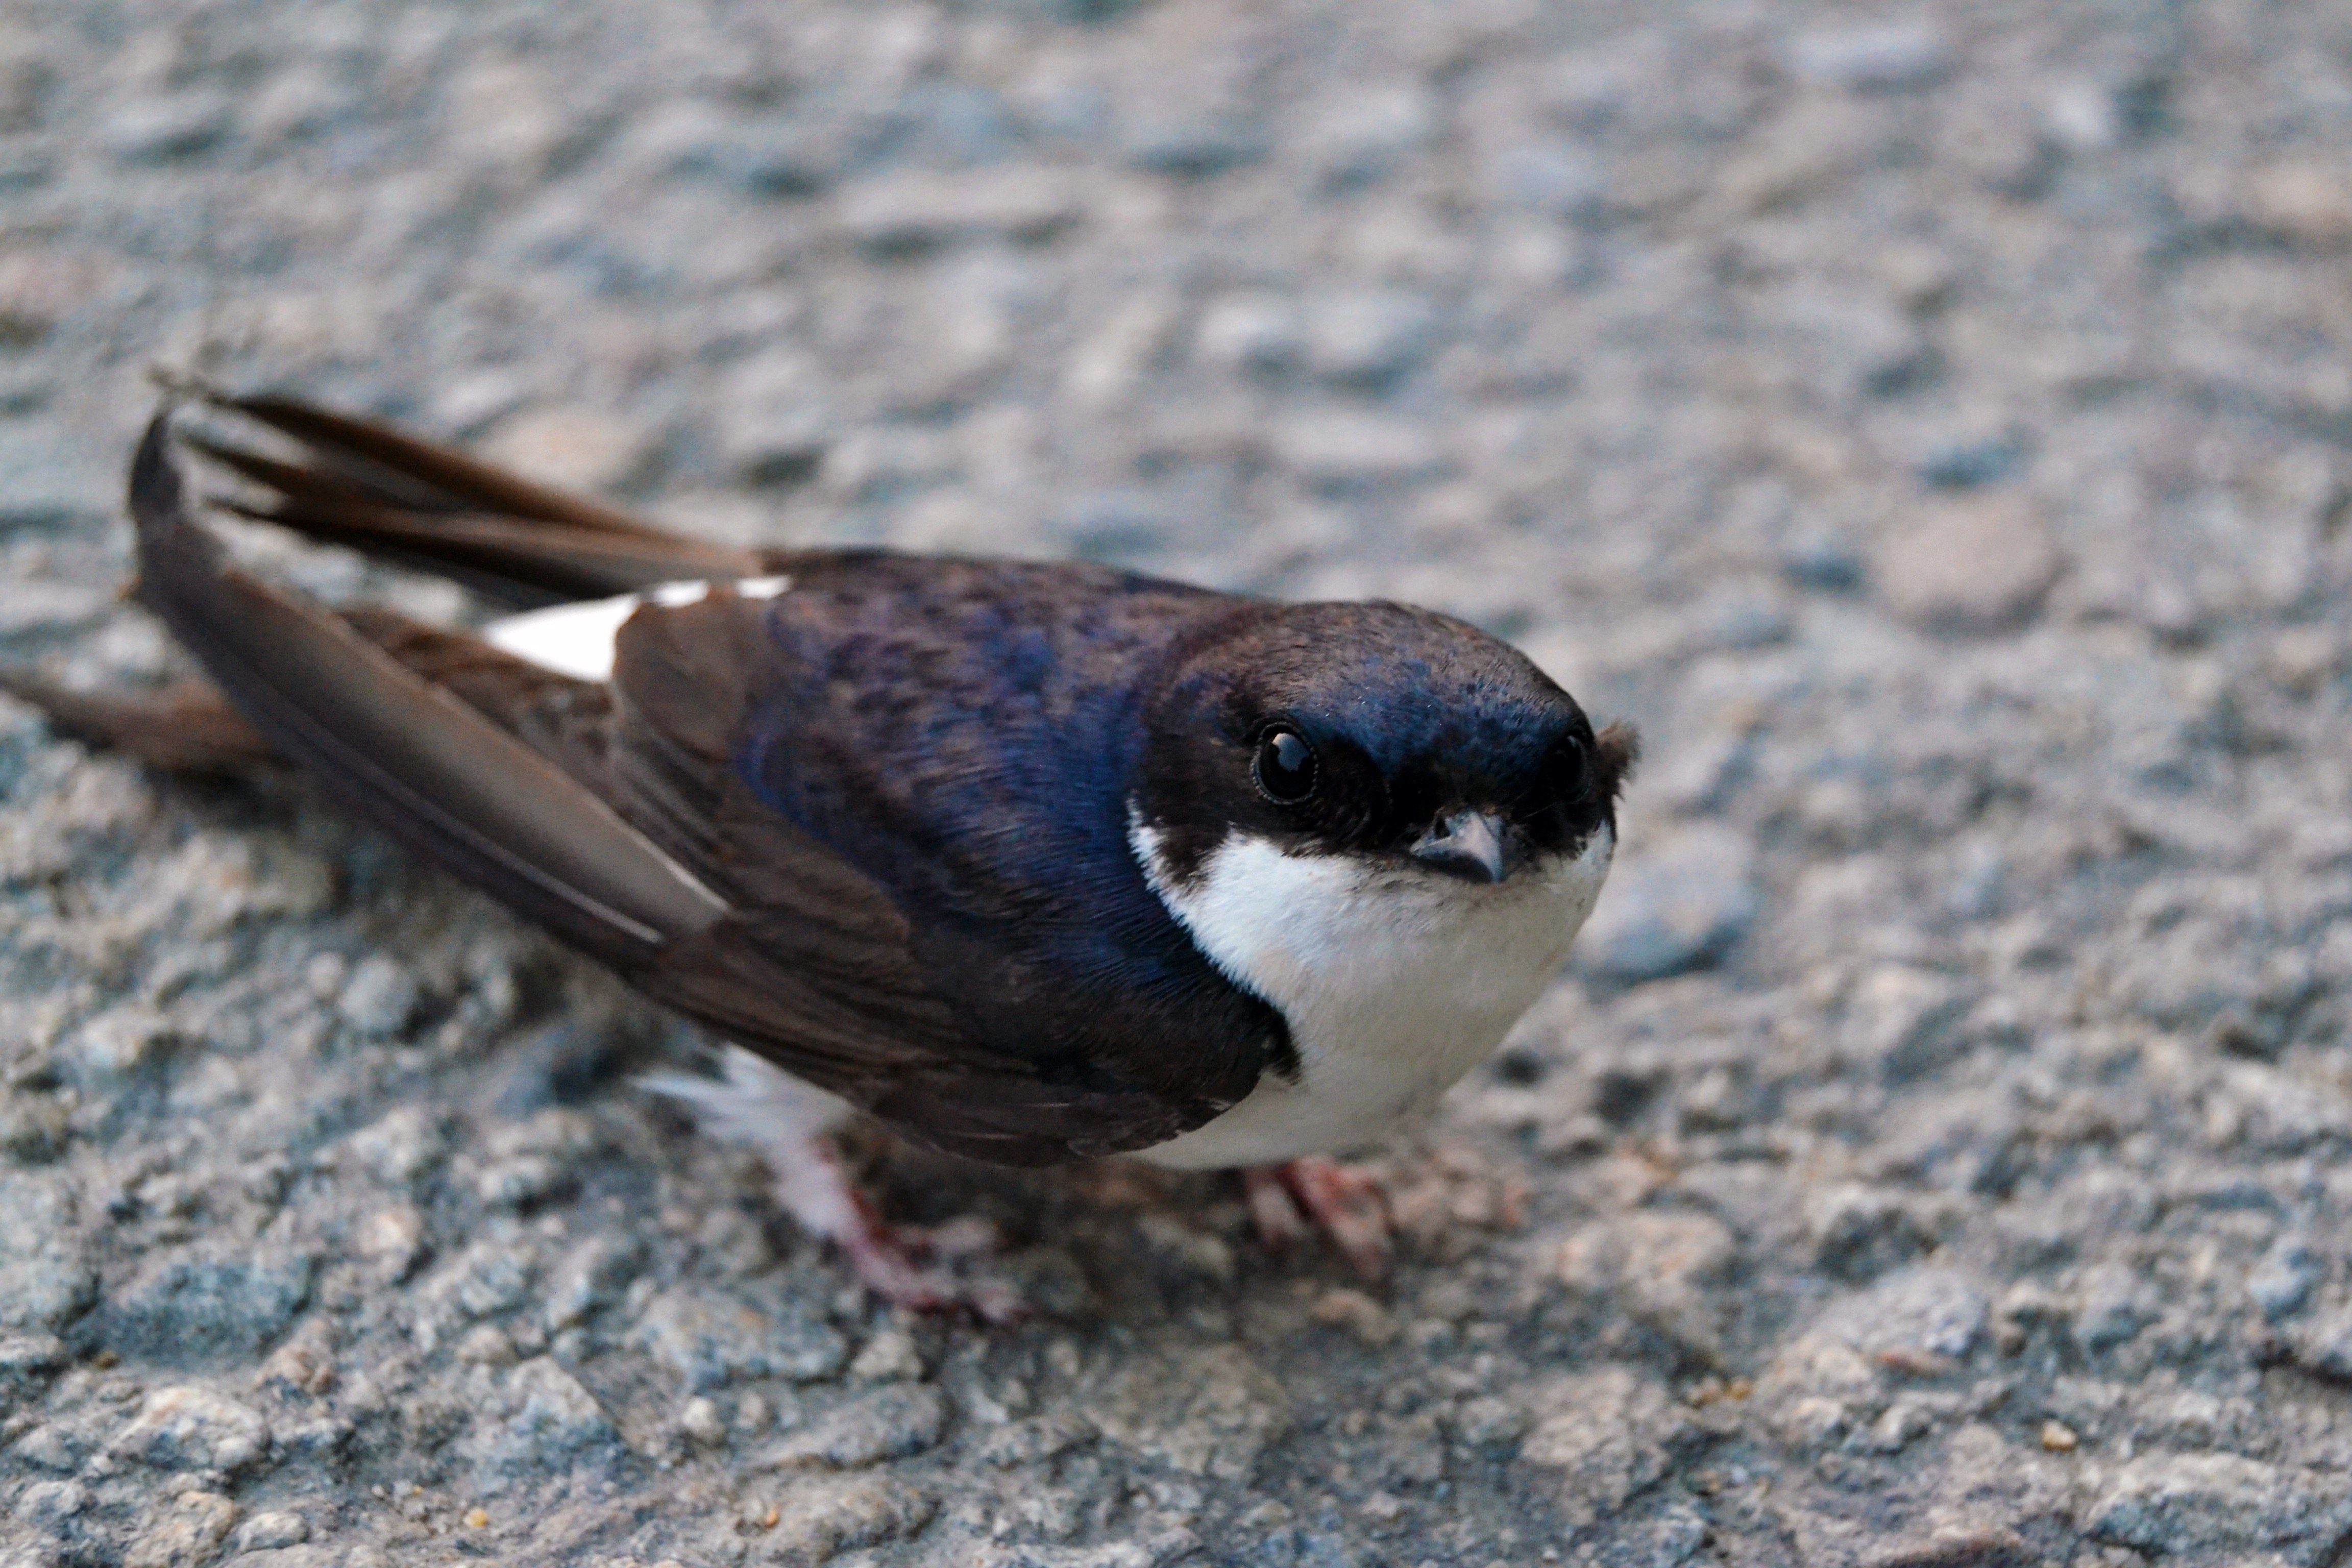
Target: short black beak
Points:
(1472, 845)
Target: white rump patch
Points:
(757, 1105)
(1395, 981)
(577, 640)
(570, 639)
(753, 1103)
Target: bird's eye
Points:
(1284, 768)
(1571, 768)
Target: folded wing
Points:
(432, 769)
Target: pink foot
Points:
(791, 1124)
(1289, 1203)
(907, 1266)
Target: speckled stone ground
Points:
(1933, 430)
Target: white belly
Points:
(1395, 982)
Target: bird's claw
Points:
(1288, 1202)
(911, 1267)
(916, 1266)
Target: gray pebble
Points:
(164, 129)
(889, 1356)
(1695, 778)
(1255, 332)
(576, 448)
(119, 1045)
(46, 1275)
(2307, 201)
(50, 1446)
(1345, 448)
(1555, 181)
(2111, 1306)
(1859, 1231)
(491, 1276)
(1923, 1311)
(1213, 1415)
(1900, 55)
(50, 608)
(916, 210)
(1604, 1434)
(209, 1301)
(1368, 337)
(33, 1128)
(189, 1427)
(822, 1517)
(27, 1362)
(2324, 1344)
(776, 413)
(1975, 565)
(775, 157)
(48, 1505)
(1969, 465)
(380, 998)
(269, 1531)
(1907, 1020)
(887, 1423)
(1196, 142)
(701, 1422)
(2282, 1283)
(711, 1338)
(541, 1418)
(1028, 1442)
(188, 1529)
(590, 1278)
(1363, 133)
(1488, 1421)
(2166, 1503)
(45, 480)
(1682, 904)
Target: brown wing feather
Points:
(567, 721)
(408, 755)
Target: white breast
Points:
(1395, 981)
(577, 640)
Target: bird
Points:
(1029, 862)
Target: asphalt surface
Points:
(1931, 427)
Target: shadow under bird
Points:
(1030, 862)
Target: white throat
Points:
(1395, 981)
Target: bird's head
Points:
(1394, 736)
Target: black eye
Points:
(1284, 768)
(1570, 769)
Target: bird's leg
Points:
(901, 1264)
(1290, 1202)
(791, 1124)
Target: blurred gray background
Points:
(1928, 424)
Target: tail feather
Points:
(465, 482)
(188, 727)
(520, 562)
(393, 496)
